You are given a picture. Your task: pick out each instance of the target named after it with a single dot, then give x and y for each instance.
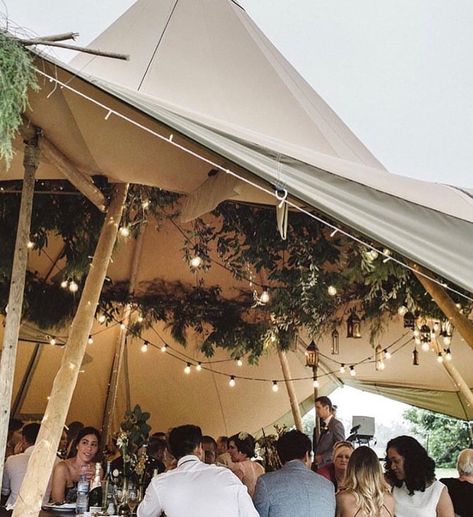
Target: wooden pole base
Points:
(296, 412)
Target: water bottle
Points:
(82, 504)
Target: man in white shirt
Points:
(16, 465)
(194, 488)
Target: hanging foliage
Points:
(17, 76)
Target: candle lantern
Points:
(335, 342)
(409, 321)
(354, 325)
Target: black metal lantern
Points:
(409, 321)
(354, 325)
(415, 357)
(335, 342)
(312, 355)
(425, 335)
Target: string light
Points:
(232, 382)
(440, 357)
(140, 319)
(187, 369)
(199, 366)
(264, 298)
(387, 354)
(124, 231)
(425, 346)
(332, 290)
(122, 326)
(386, 252)
(145, 204)
(239, 362)
(402, 310)
(275, 386)
(52, 341)
(144, 346)
(448, 354)
(64, 284)
(73, 287)
(196, 262)
(164, 348)
(30, 245)
(102, 318)
(90, 341)
(316, 383)
(352, 371)
(342, 368)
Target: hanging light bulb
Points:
(30, 245)
(64, 284)
(436, 327)
(352, 371)
(164, 348)
(239, 362)
(415, 357)
(440, 357)
(425, 346)
(448, 354)
(122, 326)
(187, 369)
(416, 332)
(73, 287)
(90, 341)
(196, 261)
(264, 298)
(124, 231)
(387, 354)
(379, 358)
(144, 347)
(372, 255)
(52, 341)
(199, 366)
(387, 255)
(447, 340)
(232, 382)
(140, 319)
(102, 318)
(332, 290)
(145, 204)
(316, 383)
(402, 311)
(275, 386)
(342, 368)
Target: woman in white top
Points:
(412, 473)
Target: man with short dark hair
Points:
(194, 488)
(209, 447)
(331, 431)
(16, 465)
(294, 490)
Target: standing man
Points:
(194, 488)
(331, 431)
(294, 490)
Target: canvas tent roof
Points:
(224, 112)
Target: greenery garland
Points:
(17, 76)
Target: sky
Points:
(397, 72)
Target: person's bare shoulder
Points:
(345, 499)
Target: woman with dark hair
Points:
(242, 448)
(66, 473)
(366, 492)
(412, 473)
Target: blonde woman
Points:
(336, 471)
(366, 492)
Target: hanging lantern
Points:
(312, 355)
(354, 325)
(409, 321)
(415, 357)
(335, 342)
(425, 335)
(447, 333)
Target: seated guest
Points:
(366, 492)
(154, 463)
(461, 488)
(194, 488)
(223, 456)
(412, 473)
(242, 449)
(209, 446)
(14, 437)
(336, 471)
(66, 473)
(72, 430)
(294, 491)
(16, 465)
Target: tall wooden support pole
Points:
(42, 460)
(316, 435)
(446, 305)
(17, 286)
(25, 383)
(296, 412)
(120, 347)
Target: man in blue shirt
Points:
(294, 490)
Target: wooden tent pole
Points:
(446, 304)
(17, 286)
(121, 343)
(42, 459)
(296, 412)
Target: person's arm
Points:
(445, 505)
(151, 505)
(59, 483)
(261, 498)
